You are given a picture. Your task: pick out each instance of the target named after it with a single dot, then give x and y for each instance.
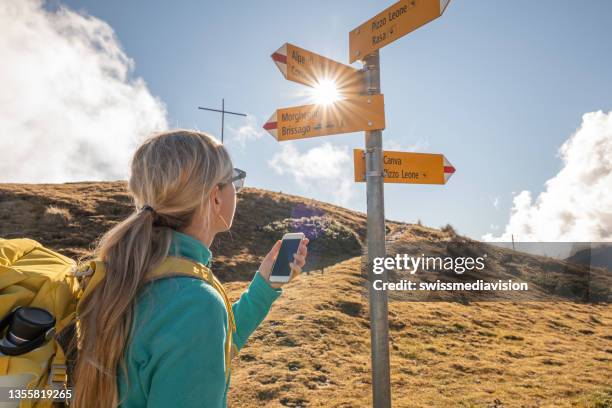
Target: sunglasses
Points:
(237, 179)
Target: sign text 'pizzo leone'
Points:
(409, 168)
(392, 23)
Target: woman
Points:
(164, 344)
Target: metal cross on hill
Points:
(222, 112)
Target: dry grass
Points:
(57, 216)
(601, 399)
(314, 348)
(70, 217)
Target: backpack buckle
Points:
(58, 374)
(58, 380)
(82, 272)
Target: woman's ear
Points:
(215, 199)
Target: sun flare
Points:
(325, 93)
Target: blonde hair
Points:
(173, 172)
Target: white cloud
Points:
(325, 171)
(577, 202)
(248, 132)
(69, 106)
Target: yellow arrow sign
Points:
(394, 22)
(405, 167)
(354, 114)
(305, 67)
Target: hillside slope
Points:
(313, 349)
(69, 218)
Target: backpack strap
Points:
(97, 273)
(180, 266)
(58, 370)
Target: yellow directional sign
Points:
(305, 67)
(405, 167)
(354, 114)
(394, 22)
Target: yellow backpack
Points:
(35, 276)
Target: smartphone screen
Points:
(285, 255)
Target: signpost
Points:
(409, 168)
(392, 23)
(356, 114)
(307, 68)
(363, 110)
(364, 44)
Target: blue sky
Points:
(495, 86)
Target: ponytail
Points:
(129, 246)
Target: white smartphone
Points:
(281, 271)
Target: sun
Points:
(325, 92)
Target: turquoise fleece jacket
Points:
(175, 354)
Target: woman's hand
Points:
(299, 259)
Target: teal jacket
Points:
(175, 354)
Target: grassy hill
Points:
(70, 217)
(313, 349)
